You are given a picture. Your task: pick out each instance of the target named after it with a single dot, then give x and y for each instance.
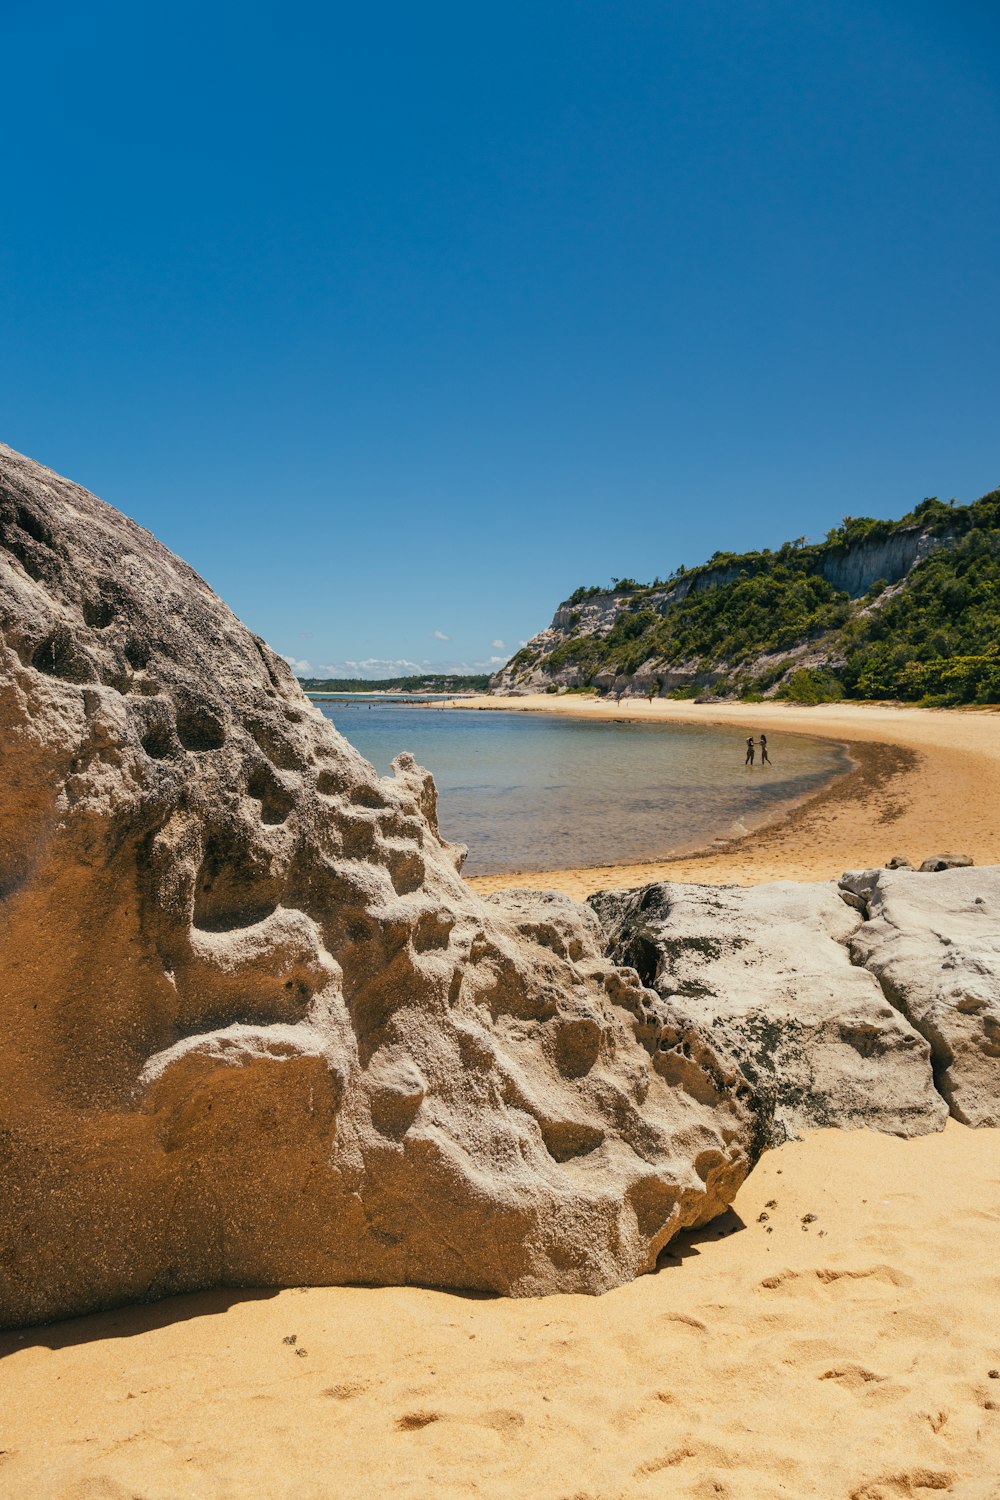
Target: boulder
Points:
(936, 862)
(765, 972)
(856, 887)
(934, 946)
(257, 1029)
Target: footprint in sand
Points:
(853, 1377)
(413, 1421)
(685, 1319)
(665, 1461)
(909, 1482)
(346, 1389)
(827, 1275)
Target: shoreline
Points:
(924, 781)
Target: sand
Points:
(846, 1356)
(926, 781)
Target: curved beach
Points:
(925, 781)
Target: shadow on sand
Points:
(127, 1322)
(144, 1317)
(684, 1245)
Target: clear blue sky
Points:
(399, 320)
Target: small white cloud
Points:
(371, 666)
(300, 668)
(499, 645)
(439, 635)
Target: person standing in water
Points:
(765, 759)
(749, 759)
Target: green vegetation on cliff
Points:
(932, 636)
(938, 636)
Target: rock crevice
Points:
(933, 943)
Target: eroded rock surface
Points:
(766, 973)
(256, 1028)
(933, 941)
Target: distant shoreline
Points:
(401, 693)
(924, 781)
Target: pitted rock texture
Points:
(257, 1030)
(765, 972)
(933, 942)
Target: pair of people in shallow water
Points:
(765, 759)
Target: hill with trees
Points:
(906, 609)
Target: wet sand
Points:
(925, 781)
(845, 1357)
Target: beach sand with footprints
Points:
(834, 1335)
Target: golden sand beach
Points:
(925, 781)
(845, 1356)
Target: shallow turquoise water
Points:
(540, 792)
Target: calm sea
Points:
(533, 792)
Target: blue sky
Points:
(399, 321)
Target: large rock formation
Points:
(766, 971)
(933, 941)
(256, 1028)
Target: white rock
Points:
(765, 972)
(933, 942)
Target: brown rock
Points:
(257, 1029)
(936, 862)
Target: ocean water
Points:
(540, 792)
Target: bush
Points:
(953, 679)
(811, 685)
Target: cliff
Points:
(880, 608)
